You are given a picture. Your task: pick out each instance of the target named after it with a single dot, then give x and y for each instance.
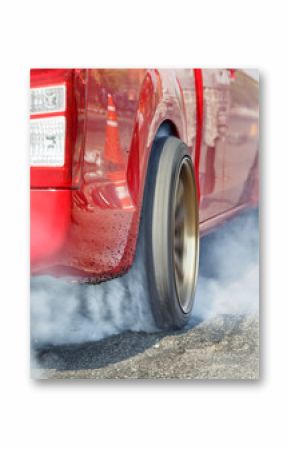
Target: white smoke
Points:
(229, 270)
(68, 313)
(228, 284)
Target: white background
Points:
(144, 414)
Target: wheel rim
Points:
(185, 235)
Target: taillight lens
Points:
(52, 127)
(45, 100)
(47, 142)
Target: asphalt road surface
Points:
(226, 347)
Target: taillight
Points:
(52, 127)
(44, 100)
(47, 142)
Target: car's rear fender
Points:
(98, 222)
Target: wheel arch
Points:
(166, 129)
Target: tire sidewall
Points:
(158, 222)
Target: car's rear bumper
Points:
(82, 241)
(49, 225)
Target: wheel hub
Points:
(185, 226)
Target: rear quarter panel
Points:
(105, 210)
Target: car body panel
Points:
(90, 232)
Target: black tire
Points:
(171, 295)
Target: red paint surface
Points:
(49, 223)
(199, 123)
(90, 230)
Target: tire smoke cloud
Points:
(228, 284)
(229, 269)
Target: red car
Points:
(132, 166)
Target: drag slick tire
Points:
(169, 233)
